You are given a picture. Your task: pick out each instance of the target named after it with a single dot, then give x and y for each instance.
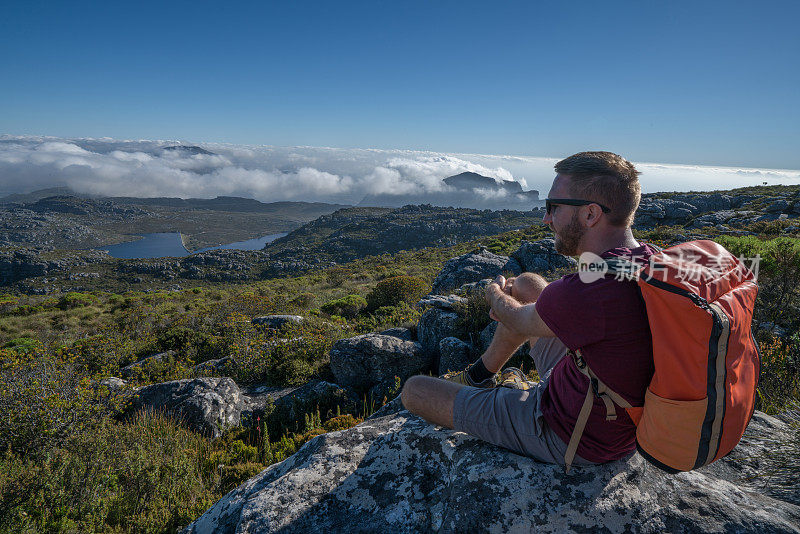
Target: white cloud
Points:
(143, 168)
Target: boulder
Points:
(207, 405)
(779, 206)
(277, 321)
(442, 302)
(212, 366)
(435, 325)
(400, 333)
(454, 355)
(486, 335)
(472, 267)
(709, 202)
(400, 474)
(112, 383)
(366, 360)
(541, 256)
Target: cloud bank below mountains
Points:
(111, 167)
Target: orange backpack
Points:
(699, 300)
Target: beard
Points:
(569, 238)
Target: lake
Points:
(169, 244)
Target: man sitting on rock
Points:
(590, 208)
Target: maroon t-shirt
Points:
(607, 320)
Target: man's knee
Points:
(410, 392)
(527, 287)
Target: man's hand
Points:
(504, 308)
(499, 285)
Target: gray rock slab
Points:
(443, 302)
(398, 332)
(400, 474)
(366, 360)
(435, 325)
(454, 355)
(472, 267)
(541, 256)
(206, 405)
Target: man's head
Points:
(601, 192)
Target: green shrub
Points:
(22, 344)
(194, 344)
(336, 275)
(347, 307)
(303, 301)
(76, 300)
(779, 384)
(473, 315)
(393, 291)
(778, 271)
(7, 302)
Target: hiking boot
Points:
(462, 377)
(514, 378)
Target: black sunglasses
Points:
(550, 202)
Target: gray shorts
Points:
(512, 418)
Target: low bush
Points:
(779, 384)
(395, 290)
(74, 299)
(473, 315)
(347, 307)
(42, 401)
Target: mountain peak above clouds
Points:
(473, 180)
(465, 190)
(190, 150)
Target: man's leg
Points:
(433, 399)
(430, 398)
(526, 288)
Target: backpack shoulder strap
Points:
(596, 388)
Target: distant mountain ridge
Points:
(464, 190)
(473, 180)
(65, 195)
(189, 149)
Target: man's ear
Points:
(592, 215)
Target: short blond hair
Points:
(606, 178)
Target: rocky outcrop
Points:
(400, 474)
(444, 302)
(213, 405)
(357, 232)
(454, 355)
(435, 325)
(370, 359)
(541, 256)
(399, 332)
(206, 405)
(472, 267)
(486, 335)
(213, 366)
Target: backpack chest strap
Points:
(597, 388)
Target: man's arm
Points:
(522, 319)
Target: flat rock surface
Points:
(399, 474)
(369, 359)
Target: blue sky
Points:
(676, 82)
